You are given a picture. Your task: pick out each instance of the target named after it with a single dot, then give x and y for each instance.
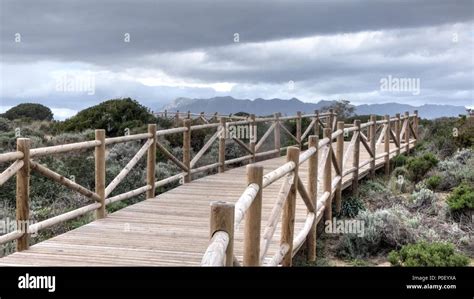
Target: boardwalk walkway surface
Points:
(171, 229)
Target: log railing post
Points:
(187, 149)
(415, 126)
(100, 172)
(253, 218)
(252, 141)
(373, 141)
(188, 116)
(355, 159)
(288, 216)
(407, 132)
(222, 219)
(316, 123)
(151, 162)
(397, 132)
(298, 128)
(23, 194)
(327, 176)
(313, 141)
(222, 137)
(276, 135)
(177, 118)
(331, 119)
(387, 147)
(339, 158)
(166, 113)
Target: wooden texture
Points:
(23, 194)
(99, 156)
(253, 218)
(172, 229)
(151, 162)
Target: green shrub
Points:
(399, 160)
(351, 207)
(423, 254)
(30, 111)
(433, 182)
(423, 197)
(461, 198)
(419, 166)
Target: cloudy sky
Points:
(73, 54)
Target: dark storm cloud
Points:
(93, 31)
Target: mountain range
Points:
(227, 105)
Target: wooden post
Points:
(177, 118)
(252, 129)
(222, 219)
(355, 160)
(316, 123)
(222, 138)
(415, 126)
(298, 128)
(23, 194)
(253, 219)
(166, 113)
(387, 147)
(407, 133)
(373, 140)
(331, 119)
(276, 135)
(397, 132)
(151, 162)
(187, 149)
(313, 141)
(100, 172)
(327, 176)
(339, 158)
(288, 216)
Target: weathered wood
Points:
(222, 219)
(372, 144)
(128, 138)
(253, 218)
(215, 255)
(305, 196)
(415, 126)
(252, 141)
(313, 142)
(187, 149)
(355, 159)
(244, 202)
(99, 156)
(288, 217)
(276, 174)
(23, 194)
(367, 147)
(275, 214)
(126, 170)
(63, 180)
(303, 233)
(223, 133)
(279, 255)
(265, 136)
(63, 148)
(171, 131)
(11, 236)
(298, 128)
(276, 135)
(243, 145)
(6, 157)
(10, 171)
(348, 152)
(327, 177)
(151, 162)
(340, 166)
(407, 132)
(387, 147)
(128, 194)
(206, 146)
(170, 156)
(35, 228)
(288, 132)
(310, 127)
(240, 159)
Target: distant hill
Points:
(227, 105)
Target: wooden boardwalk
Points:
(171, 229)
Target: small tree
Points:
(29, 111)
(343, 108)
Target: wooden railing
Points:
(25, 160)
(225, 217)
